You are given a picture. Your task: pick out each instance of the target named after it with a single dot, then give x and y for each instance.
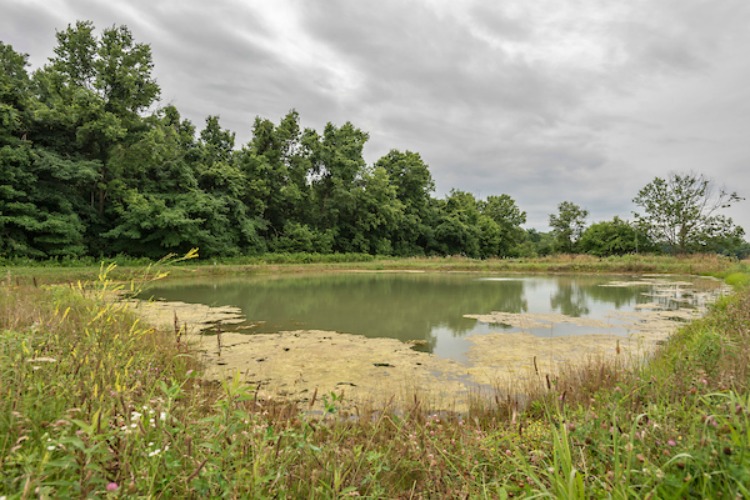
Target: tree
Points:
(508, 217)
(615, 237)
(276, 168)
(681, 211)
(39, 188)
(413, 183)
(91, 96)
(459, 229)
(337, 167)
(567, 226)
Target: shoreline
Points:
(302, 364)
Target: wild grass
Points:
(25, 271)
(94, 403)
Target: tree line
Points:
(89, 167)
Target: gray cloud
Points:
(546, 101)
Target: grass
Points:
(26, 271)
(94, 403)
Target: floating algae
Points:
(298, 363)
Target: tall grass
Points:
(93, 403)
(59, 271)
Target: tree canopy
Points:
(91, 164)
(568, 225)
(682, 212)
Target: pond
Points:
(437, 313)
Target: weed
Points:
(95, 404)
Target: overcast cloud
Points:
(545, 100)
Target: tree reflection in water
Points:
(416, 307)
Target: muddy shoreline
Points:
(295, 365)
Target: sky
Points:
(545, 100)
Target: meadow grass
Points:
(95, 403)
(26, 271)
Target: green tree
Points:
(535, 244)
(379, 213)
(91, 96)
(615, 237)
(567, 226)
(458, 231)
(337, 165)
(275, 164)
(682, 212)
(39, 194)
(509, 218)
(413, 182)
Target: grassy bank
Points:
(31, 272)
(93, 403)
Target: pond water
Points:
(429, 310)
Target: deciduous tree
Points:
(568, 226)
(682, 211)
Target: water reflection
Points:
(426, 309)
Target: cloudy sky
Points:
(545, 100)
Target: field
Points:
(95, 403)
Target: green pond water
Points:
(427, 308)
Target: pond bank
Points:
(300, 364)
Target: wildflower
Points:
(672, 442)
(51, 448)
(112, 486)
(154, 453)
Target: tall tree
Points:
(92, 94)
(509, 218)
(568, 226)
(459, 231)
(413, 183)
(682, 211)
(337, 163)
(276, 166)
(39, 192)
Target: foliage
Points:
(682, 212)
(92, 166)
(93, 403)
(504, 212)
(568, 226)
(615, 237)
